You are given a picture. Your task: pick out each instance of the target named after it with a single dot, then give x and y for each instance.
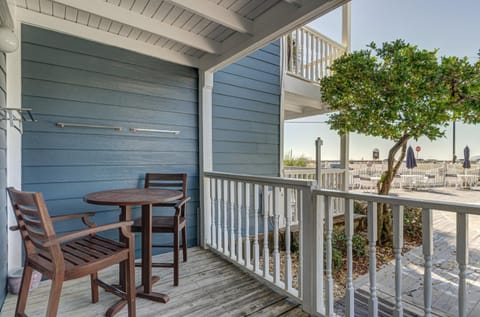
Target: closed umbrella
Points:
(411, 161)
(466, 157)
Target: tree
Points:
(400, 92)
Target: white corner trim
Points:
(14, 146)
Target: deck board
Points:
(209, 286)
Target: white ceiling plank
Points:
(71, 14)
(46, 6)
(124, 16)
(151, 8)
(173, 15)
(22, 3)
(274, 23)
(83, 17)
(59, 10)
(94, 21)
(217, 14)
(127, 4)
(79, 30)
(33, 5)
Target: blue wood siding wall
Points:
(66, 79)
(246, 114)
(3, 182)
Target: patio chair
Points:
(68, 256)
(174, 224)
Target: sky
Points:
(453, 27)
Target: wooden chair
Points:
(169, 224)
(68, 256)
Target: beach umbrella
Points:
(466, 157)
(411, 161)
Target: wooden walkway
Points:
(209, 286)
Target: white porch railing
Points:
(310, 53)
(239, 226)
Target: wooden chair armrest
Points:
(84, 217)
(178, 205)
(86, 232)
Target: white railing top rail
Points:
(263, 180)
(325, 38)
(466, 208)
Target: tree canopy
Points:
(400, 92)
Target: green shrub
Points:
(412, 223)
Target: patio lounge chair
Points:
(68, 256)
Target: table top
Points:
(133, 196)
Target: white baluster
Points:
(288, 255)
(297, 50)
(266, 252)
(328, 269)
(276, 253)
(350, 291)
(240, 207)
(233, 204)
(322, 59)
(299, 201)
(397, 250)
(462, 259)
(372, 266)
(246, 197)
(427, 243)
(256, 211)
(306, 46)
(219, 187)
(317, 58)
(226, 204)
(213, 204)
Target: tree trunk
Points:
(384, 217)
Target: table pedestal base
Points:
(153, 296)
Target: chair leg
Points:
(184, 243)
(175, 256)
(94, 287)
(131, 285)
(54, 299)
(24, 288)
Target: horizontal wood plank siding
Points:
(66, 79)
(3, 183)
(246, 114)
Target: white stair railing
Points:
(310, 53)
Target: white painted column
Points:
(345, 139)
(14, 144)
(206, 150)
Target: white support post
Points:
(344, 160)
(462, 259)
(206, 150)
(14, 141)
(350, 291)
(328, 270)
(318, 161)
(347, 26)
(427, 243)
(372, 266)
(397, 250)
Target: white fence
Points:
(238, 226)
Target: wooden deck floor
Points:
(209, 286)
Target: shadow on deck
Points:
(209, 286)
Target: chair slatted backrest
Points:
(33, 222)
(167, 181)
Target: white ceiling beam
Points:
(216, 13)
(121, 15)
(274, 23)
(92, 34)
(294, 108)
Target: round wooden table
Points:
(125, 199)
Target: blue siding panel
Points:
(246, 114)
(3, 184)
(66, 79)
